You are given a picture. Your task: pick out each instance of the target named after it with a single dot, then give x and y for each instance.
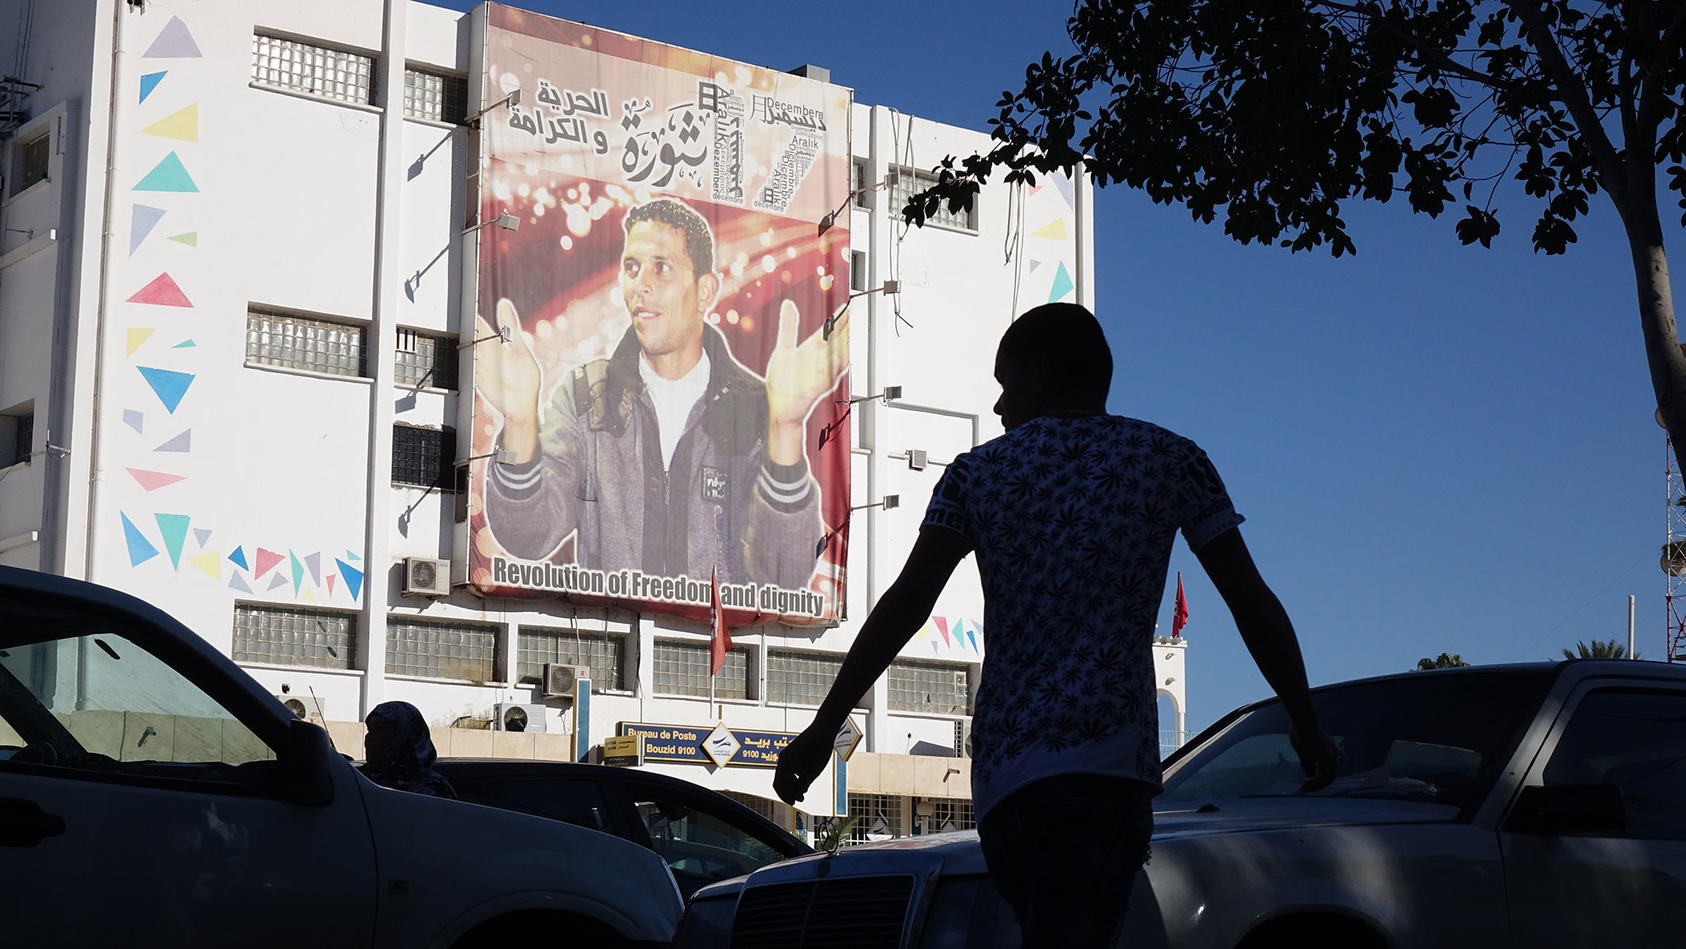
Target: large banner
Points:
(670, 401)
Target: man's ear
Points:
(708, 288)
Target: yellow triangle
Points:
(137, 337)
(1054, 230)
(183, 124)
(210, 562)
(307, 597)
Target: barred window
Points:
(425, 360)
(950, 813)
(424, 457)
(305, 67)
(311, 344)
(289, 636)
(29, 161)
(800, 678)
(603, 653)
(434, 96)
(936, 687)
(857, 181)
(910, 182)
(682, 669)
(441, 650)
(879, 817)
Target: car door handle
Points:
(24, 824)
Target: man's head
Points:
(668, 282)
(1054, 358)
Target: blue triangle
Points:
(142, 223)
(239, 557)
(140, 549)
(168, 175)
(168, 384)
(353, 577)
(1062, 285)
(150, 82)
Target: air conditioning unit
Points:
(963, 738)
(559, 679)
(307, 707)
(424, 576)
(517, 717)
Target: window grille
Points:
(425, 360)
(857, 181)
(950, 813)
(800, 678)
(17, 435)
(288, 636)
(880, 817)
(29, 162)
(435, 97)
(682, 669)
(424, 457)
(934, 687)
(910, 182)
(441, 650)
(318, 70)
(311, 344)
(603, 653)
(857, 271)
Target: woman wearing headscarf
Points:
(400, 753)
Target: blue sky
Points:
(1437, 448)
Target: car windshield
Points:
(1433, 737)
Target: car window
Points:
(99, 703)
(569, 800)
(700, 841)
(1635, 741)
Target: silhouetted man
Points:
(1072, 514)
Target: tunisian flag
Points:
(1179, 617)
(720, 642)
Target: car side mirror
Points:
(1569, 809)
(306, 775)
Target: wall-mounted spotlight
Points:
(889, 503)
(890, 286)
(513, 99)
(831, 217)
(501, 456)
(890, 394)
(504, 334)
(504, 220)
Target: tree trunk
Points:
(1663, 351)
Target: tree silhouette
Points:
(1446, 660)
(1600, 649)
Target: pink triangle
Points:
(162, 291)
(942, 627)
(331, 579)
(266, 560)
(153, 480)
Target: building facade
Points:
(237, 338)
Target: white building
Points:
(177, 181)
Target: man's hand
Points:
(797, 375)
(506, 375)
(1318, 756)
(800, 763)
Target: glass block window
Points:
(682, 669)
(425, 360)
(29, 161)
(441, 650)
(939, 688)
(881, 817)
(910, 182)
(424, 457)
(320, 71)
(950, 813)
(435, 97)
(311, 344)
(800, 678)
(288, 636)
(603, 653)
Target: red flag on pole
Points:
(720, 642)
(1180, 616)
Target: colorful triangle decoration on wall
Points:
(183, 124)
(235, 583)
(211, 563)
(1062, 285)
(331, 579)
(168, 175)
(173, 42)
(298, 572)
(201, 535)
(185, 344)
(1064, 185)
(173, 528)
(266, 560)
(150, 82)
(942, 627)
(314, 563)
(135, 420)
(136, 338)
(162, 291)
(353, 578)
(308, 597)
(141, 222)
(974, 638)
(140, 549)
(190, 238)
(180, 443)
(352, 557)
(238, 558)
(1053, 230)
(167, 384)
(1034, 264)
(279, 580)
(153, 480)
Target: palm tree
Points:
(835, 833)
(1599, 650)
(1446, 660)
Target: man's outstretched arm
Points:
(1269, 635)
(897, 615)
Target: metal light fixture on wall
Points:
(505, 220)
(513, 99)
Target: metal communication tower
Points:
(1674, 555)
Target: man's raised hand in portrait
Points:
(506, 375)
(797, 376)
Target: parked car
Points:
(702, 835)
(1533, 805)
(153, 794)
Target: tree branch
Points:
(1572, 93)
(1426, 56)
